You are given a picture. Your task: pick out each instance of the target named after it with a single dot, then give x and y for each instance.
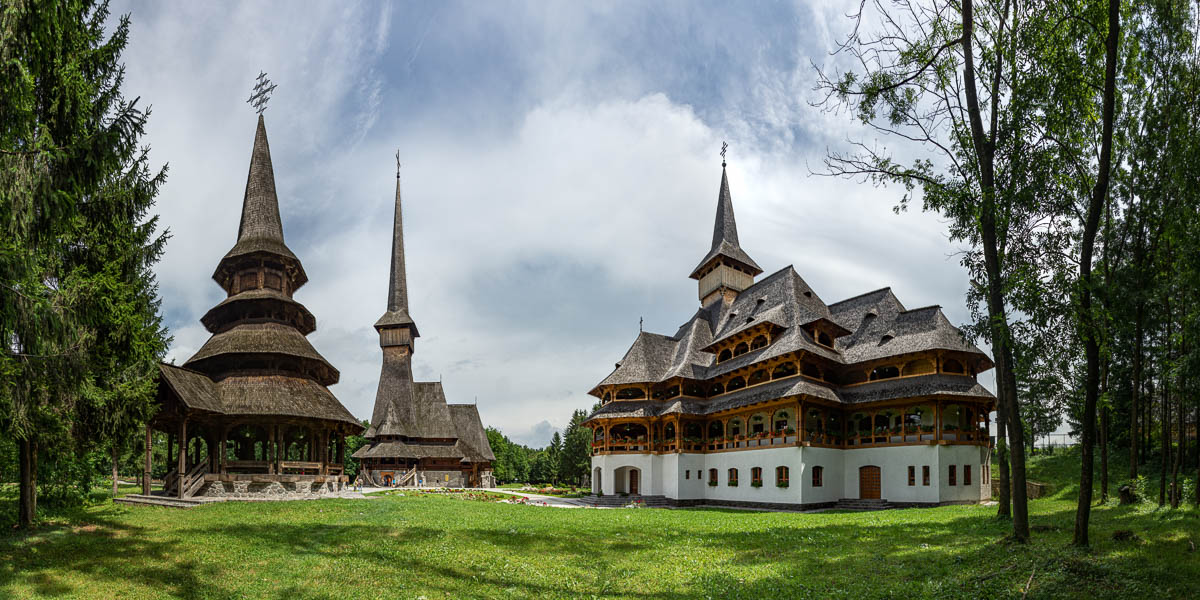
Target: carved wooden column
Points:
(182, 465)
(146, 472)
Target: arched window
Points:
(758, 342)
(631, 393)
(758, 376)
(693, 389)
(784, 370)
(715, 430)
(952, 366)
(725, 355)
(736, 383)
(735, 427)
(781, 476)
(919, 367)
(758, 423)
(733, 477)
(781, 421)
(716, 389)
(741, 349)
(756, 476)
(818, 476)
(886, 372)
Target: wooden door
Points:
(633, 482)
(868, 483)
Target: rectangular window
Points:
(687, 474)
(712, 477)
(818, 476)
(925, 475)
(953, 475)
(912, 476)
(781, 476)
(698, 474)
(756, 476)
(249, 281)
(966, 474)
(273, 281)
(733, 478)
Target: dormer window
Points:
(759, 342)
(824, 339)
(741, 349)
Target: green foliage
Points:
(353, 443)
(78, 300)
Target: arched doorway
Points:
(627, 480)
(597, 488)
(868, 482)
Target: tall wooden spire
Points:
(397, 317)
(726, 267)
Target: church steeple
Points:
(726, 269)
(260, 232)
(396, 327)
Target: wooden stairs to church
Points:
(862, 504)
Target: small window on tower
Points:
(273, 281)
(248, 281)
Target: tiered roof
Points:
(863, 329)
(258, 360)
(412, 419)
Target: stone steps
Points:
(143, 500)
(620, 501)
(862, 504)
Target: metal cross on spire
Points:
(397, 164)
(262, 93)
(724, 146)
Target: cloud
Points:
(560, 178)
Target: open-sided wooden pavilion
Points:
(251, 413)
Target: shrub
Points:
(756, 484)
(781, 484)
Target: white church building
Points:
(767, 396)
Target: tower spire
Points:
(397, 316)
(726, 255)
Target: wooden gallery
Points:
(769, 396)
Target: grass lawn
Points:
(433, 546)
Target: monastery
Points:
(768, 396)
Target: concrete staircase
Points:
(169, 502)
(862, 504)
(617, 501)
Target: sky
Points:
(560, 174)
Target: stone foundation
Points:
(273, 490)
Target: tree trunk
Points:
(27, 503)
(998, 320)
(1004, 510)
(1104, 455)
(1165, 445)
(116, 455)
(1091, 343)
(1135, 437)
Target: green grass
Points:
(410, 546)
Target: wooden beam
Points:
(182, 465)
(146, 473)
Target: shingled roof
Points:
(397, 306)
(258, 361)
(863, 329)
(415, 411)
(261, 229)
(725, 238)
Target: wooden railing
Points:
(263, 466)
(301, 466)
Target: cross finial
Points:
(397, 164)
(261, 93)
(724, 146)
(641, 320)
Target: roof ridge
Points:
(862, 295)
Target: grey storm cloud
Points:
(560, 177)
